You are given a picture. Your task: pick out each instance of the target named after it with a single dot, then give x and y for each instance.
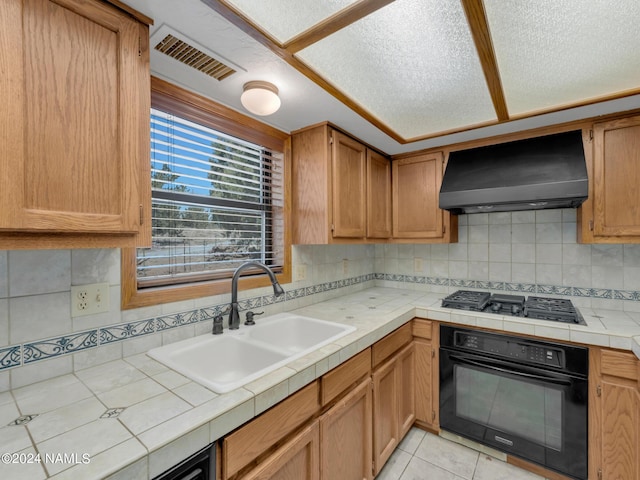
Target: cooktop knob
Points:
(496, 306)
(515, 309)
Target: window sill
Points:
(134, 298)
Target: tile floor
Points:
(424, 456)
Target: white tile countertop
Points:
(134, 418)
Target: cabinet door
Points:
(425, 402)
(393, 404)
(345, 437)
(72, 128)
(378, 196)
(385, 413)
(406, 366)
(616, 176)
(416, 185)
(348, 164)
(295, 460)
(614, 415)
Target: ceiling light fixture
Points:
(260, 98)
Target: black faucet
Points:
(234, 316)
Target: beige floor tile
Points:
(419, 469)
(489, 468)
(448, 455)
(411, 440)
(394, 467)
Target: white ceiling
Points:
(542, 70)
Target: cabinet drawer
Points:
(619, 364)
(342, 377)
(384, 348)
(422, 328)
(244, 445)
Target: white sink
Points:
(228, 361)
(295, 333)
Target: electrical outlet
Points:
(301, 272)
(345, 266)
(417, 264)
(89, 299)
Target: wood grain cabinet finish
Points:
(416, 186)
(295, 460)
(334, 178)
(426, 385)
(248, 443)
(348, 167)
(393, 404)
(612, 215)
(74, 133)
(346, 436)
(378, 196)
(614, 415)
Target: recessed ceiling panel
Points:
(554, 53)
(411, 64)
(284, 19)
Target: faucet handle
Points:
(250, 316)
(217, 325)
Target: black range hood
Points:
(531, 174)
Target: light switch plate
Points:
(89, 299)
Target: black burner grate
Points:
(467, 300)
(556, 309)
(542, 308)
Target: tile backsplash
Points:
(529, 251)
(512, 251)
(39, 339)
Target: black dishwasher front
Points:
(199, 466)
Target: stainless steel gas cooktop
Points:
(544, 308)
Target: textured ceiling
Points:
(421, 68)
(409, 74)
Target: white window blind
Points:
(217, 201)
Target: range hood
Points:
(531, 174)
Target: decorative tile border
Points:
(10, 357)
(115, 333)
(71, 343)
(17, 355)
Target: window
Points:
(218, 188)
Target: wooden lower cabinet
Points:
(295, 460)
(393, 404)
(614, 415)
(326, 429)
(426, 384)
(346, 436)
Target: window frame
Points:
(196, 108)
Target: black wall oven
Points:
(525, 397)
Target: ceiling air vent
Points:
(191, 56)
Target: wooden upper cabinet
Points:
(74, 134)
(348, 166)
(416, 186)
(613, 213)
(341, 189)
(378, 196)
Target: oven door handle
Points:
(542, 378)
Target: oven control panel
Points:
(511, 348)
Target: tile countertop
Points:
(134, 418)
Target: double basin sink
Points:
(229, 361)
